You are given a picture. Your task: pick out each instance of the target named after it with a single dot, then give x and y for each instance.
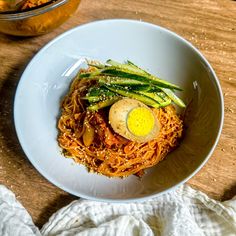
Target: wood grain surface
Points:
(210, 25)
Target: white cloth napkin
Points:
(181, 212)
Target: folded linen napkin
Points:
(184, 211)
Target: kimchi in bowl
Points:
(37, 20)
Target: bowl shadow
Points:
(7, 130)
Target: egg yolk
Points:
(140, 121)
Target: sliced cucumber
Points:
(142, 98)
(173, 97)
(102, 104)
(124, 66)
(96, 94)
(119, 81)
(122, 72)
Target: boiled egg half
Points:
(133, 120)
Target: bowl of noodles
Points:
(121, 110)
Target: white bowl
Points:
(46, 80)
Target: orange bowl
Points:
(37, 21)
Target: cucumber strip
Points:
(124, 66)
(128, 80)
(96, 64)
(119, 81)
(92, 98)
(166, 99)
(85, 75)
(102, 104)
(162, 95)
(97, 91)
(135, 66)
(146, 88)
(132, 67)
(96, 94)
(154, 96)
(173, 97)
(124, 70)
(121, 72)
(98, 99)
(162, 102)
(167, 92)
(165, 103)
(131, 64)
(142, 98)
(94, 91)
(91, 75)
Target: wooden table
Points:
(210, 25)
